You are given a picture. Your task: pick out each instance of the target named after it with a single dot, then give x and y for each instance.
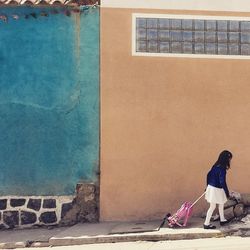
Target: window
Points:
(194, 35)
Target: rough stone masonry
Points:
(26, 212)
(235, 209)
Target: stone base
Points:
(233, 209)
(30, 211)
(85, 206)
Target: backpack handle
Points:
(198, 199)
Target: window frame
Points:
(193, 17)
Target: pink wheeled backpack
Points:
(183, 214)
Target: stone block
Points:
(3, 204)
(11, 218)
(230, 203)
(91, 207)
(215, 217)
(48, 217)
(2, 226)
(229, 213)
(71, 217)
(89, 197)
(34, 204)
(85, 189)
(245, 199)
(239, 210)
(88, 212)
(49, 203)
(17, 202)
(92, 217)
(28, 218)
(247, 210)
(65, 208)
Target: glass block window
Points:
(192, 36)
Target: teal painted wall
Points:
(49, 101)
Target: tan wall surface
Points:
(163, 123)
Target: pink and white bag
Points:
(182, 215)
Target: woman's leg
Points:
(210, 213)
(221, 212)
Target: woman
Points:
(217, 191)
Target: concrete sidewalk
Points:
(107, 232)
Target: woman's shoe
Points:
(209, 227)
(223, 223)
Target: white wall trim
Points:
(204, 56)
(202, 17)
(134, 53)
(208, 5)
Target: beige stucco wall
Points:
(163, 123)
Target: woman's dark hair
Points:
(224, 159)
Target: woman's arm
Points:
(222, 176)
